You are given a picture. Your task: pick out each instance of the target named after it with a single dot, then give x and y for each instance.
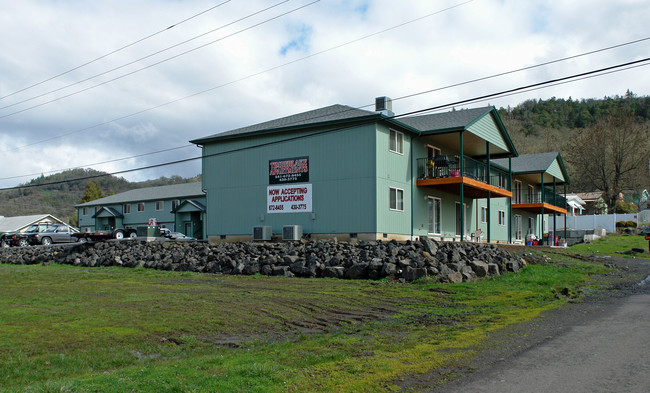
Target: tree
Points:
(612, 155)
(93, 191)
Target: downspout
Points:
(205, 191)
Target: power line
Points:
(539, 85)
(148, 66)
(330, 49)
(115, 51)
(138, 60)
(100, 163)
(364, 106)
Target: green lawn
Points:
(73, 329)
(614, 244)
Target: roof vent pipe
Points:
(384, 105)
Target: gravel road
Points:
(598, 344)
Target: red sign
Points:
(647, 237)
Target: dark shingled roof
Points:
(528, 163)
(454, 120)
(174, 191)
(322, 115)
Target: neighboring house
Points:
(576, 206)
(179, 207)
(20, 223)
(594, 202)
(350, 173)
(536, 199)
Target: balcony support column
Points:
(554, 213)
(541, 235)
(509, 200)
(566, 207)
(489, 194)
(462, 186)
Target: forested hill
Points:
(533, 116)
(59, 198)
(604, 143)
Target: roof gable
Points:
(107, 212)
(189, 206)
(17, 223)
(548, 163)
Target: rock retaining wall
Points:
(409, 261)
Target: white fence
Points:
(607, 221)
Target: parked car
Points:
(165, 232)
(20, 239)
(52, 234)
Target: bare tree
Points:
(611, 156)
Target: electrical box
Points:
(292, 232)
(262, 233)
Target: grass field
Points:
(615, 244)
(71, 329)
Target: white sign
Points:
(295, 198)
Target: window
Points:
(160, 205)
(531, 194)
(126, 208)
(140, 206)
(84, 211)
(483, 214)
(502, 217)
(531, 226)
(433, 208)
(396, 143)
(176, 203)
(396, 199)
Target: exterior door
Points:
(432, 151)
(458, 218)
(188, 229)
(517, 227)
(433, 209)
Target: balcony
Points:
(477, 179)
(550, 203)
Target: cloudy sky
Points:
(90, 83)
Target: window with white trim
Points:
(502, 217)
(84, 211)
(140, 206)
(483, 214)
(176, 203)
(396, 198)
(160, 205)
(396, 142)
(126, 208)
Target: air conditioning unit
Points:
(262, 233)
(292, 232)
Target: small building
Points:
(349, 173)
(179, 207)
(538, 189)
(20, 223)
(594, 202)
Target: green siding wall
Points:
(554, 170)
(393, 170)
(341, 171)
(486, 128)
